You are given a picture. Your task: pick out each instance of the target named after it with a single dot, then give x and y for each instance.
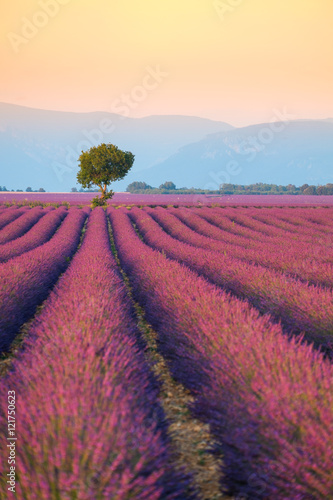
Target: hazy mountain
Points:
(40, 148)
(298, 152)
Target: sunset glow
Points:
(219, 60)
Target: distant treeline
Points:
(258, 188)
(28, 190)
(261, 188)
(170, 188)
(81, 190)
(166, 188)
(42, 190)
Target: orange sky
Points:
(231, 60)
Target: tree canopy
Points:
(101, 165)
(168, 185)
(137, 185)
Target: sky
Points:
(232, 60)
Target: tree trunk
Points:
(103, 190)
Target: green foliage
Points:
(101, 165)
(101, 201)
(137, 185)
(258, 188)
(36, 203)
(168, 185)
(310, 190)
(325, 190)
(262, 188)
(143, 188)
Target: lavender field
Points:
(167, 349)
(75, 199)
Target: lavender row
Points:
(27, 279)
(230, 231)
(39, 234)
(249, 221)
(127, 199)
(272, 219)
(244, 224)
(295, 218)
(21, 225)
(317, 237)
(321, 217)
(301, 308)
(91, 426)
(239, 224)
(10, 214)
(268, 400)
(322, 221)
(188, 227)
(316, 241)
(220, 227)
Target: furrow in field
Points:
(191, 441)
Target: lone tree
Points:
(101, 165)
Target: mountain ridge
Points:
(40, 148)
(302, 152)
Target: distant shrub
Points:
(168, 186)
(134, 186)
